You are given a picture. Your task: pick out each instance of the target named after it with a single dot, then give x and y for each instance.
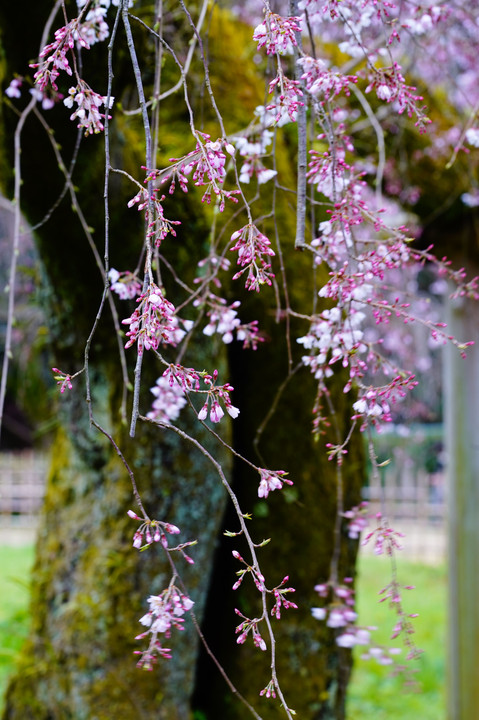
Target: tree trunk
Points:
(89, 585)
(461, 382)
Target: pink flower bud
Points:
(203, 412)
(187, 603)
(172, 529)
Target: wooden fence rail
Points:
(419, 499)
(22, 486)
(404, 491)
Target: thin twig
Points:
(302, 139)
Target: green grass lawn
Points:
(15, 565)
(374, 694)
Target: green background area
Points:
(373, 694)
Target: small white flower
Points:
(346, 640)
(318, 613)
(232, 411)
(472, 137)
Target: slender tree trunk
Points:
(461, 382)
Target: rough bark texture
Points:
(89, 586)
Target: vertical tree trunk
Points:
(89, 585)
(461, 382)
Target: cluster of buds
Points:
(88, 111)
(271, 480)
(252, 247)
(53, 57)
(279, 593)
(63, 379)
(215, 394)
(247, 626)
(207, 162)
(277, 34)
(154, 322)
(358, 520)
(258, 578)
(158, 225)
(177, 381)
(386, 540)
(187, 378)
(287, 100)
(151, 531)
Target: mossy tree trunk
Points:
(89, 585)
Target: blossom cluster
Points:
(88, 102)
(324, 84)
(154, 322)
(253, 247)
(94, 27)
(270, 481)
(169, 400)
(277, 34)
(177, 382)
(47, 97)
(224, 320)
(158, 225)
(208, 165)
(253, 151)
(53, 57)
(125, 284)
(287, 97)
(340, 614)
(165, 613)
